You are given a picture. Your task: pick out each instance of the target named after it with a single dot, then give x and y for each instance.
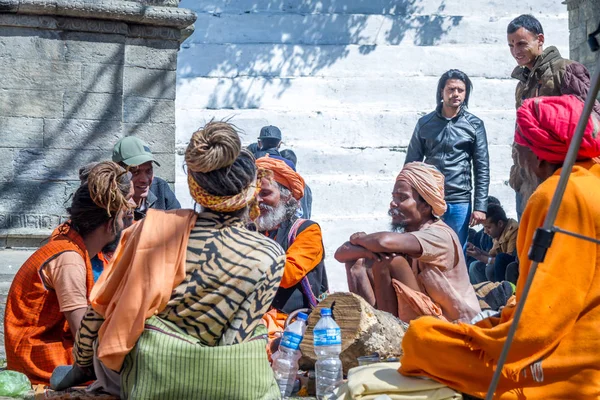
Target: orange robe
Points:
(36, 333)
(559, 330)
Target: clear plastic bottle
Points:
(328, 346)
(285, 360)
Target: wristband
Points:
(489, 260)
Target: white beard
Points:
(270, 217)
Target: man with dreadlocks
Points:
(176, 314)
(304, 277)
(50, 292)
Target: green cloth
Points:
(169, 364)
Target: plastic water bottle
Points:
(328, 346)
(285, 360)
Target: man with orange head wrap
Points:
(304, 277)
(420, 271)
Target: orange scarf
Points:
(148, 264)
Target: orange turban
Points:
(428, 182)
(283, 175)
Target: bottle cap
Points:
(325, 312)
(302, 316)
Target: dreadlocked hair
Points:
(100, 198)
(216, 160)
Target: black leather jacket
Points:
(452, 145)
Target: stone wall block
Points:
(574, 17)
(55, 164)
(102, 78)
(153, 54)
(30, 44)
(31, 103)
(98, 106)
(35, 197)
(141, 110)
(166, 170)
(149, 83)
(160, 137)
(95, 48)
(21, 132)
(7, 162)
(40, 75)
(81, 134)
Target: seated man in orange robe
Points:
(554, 354)
(50, 292)
(304, 277)
(423, 271)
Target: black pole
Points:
(543, 237)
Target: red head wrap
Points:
(546, 125)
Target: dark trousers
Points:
(481, 272)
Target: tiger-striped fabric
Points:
(232, 277)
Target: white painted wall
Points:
(346, 82)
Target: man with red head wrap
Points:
(304, 277)
(554, 354)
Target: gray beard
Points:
(270, 217)
(396, 227)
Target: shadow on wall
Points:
(279, 40)
(78, 115)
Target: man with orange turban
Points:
(420, 271)
(554, 354)
(304, 277)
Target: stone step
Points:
(361, 29)
(333, 164)
(392, 62)
(343, 196)
(355, 129)
(386, 7)
(319, 94)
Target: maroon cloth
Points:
(547, 124)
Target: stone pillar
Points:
(584, 17)
(75, 77)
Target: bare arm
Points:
(74, 318)
(389, 242)
(351, 253)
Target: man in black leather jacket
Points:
(454, 141)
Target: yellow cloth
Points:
(369, 381)
(559, 324)
(428, 182)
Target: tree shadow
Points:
(91, 122)
(285, 39)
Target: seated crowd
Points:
(147, 300)
(209, 289)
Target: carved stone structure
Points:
(584, 17)
(76, 76)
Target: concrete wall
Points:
(72, 85)
(584, 17)
(346, 82)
